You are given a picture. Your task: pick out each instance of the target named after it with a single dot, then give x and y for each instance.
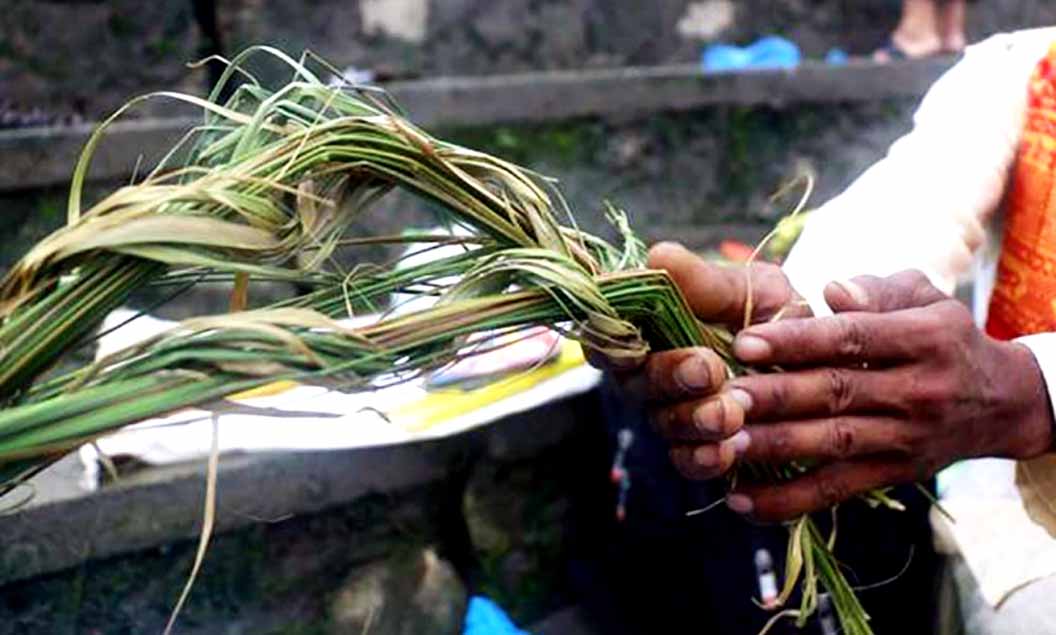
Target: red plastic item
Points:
(735, 251)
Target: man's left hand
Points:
(898, 384)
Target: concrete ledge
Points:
(39, 157)
(162, 505)
(630, 92)
(47, 156)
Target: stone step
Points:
(39, 157)
(162, 505)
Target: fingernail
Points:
(703, 420)
(750, 348)
(857, 293)
(739, 503)
(743, 399)
(740, 442)
(706, 457)
(693, 374)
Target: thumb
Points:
(871, 294)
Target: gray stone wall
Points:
(674, 174)
(719, 165)
(90, 56)
(276, 577)
(497, 521)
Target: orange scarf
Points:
(1024, 298)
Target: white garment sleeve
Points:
(926, 204)
(1043, 346)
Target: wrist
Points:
(1032, 415)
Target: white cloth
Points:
(933, 204)
(305, 417)
(317, 418)
(930, 202)
(927, 203)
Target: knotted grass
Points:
(267, 188)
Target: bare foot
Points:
(918, 33)
(954, 46)
(901, 47)
(950, 20)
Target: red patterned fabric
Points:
(1024, 298)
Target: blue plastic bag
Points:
(836, 57)
(769, 52)
(484, 617)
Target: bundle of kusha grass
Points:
(266, 189)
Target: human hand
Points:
(684, 389)
(898, 384)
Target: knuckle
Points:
(905, 440)
(831, 491)
(873, 288)
(769, 275)
(925, 384)
(867, 280)
(954, 317)
(851, 337)
(770, 291)
(841, 390)
(778, 394)
(911, 278)
(940, 328)
(773, 444)
(841, 438)
(915, 289)
(927, 397)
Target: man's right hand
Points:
(684, 389)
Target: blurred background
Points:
(689, 154)
(621, 101)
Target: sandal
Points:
(889, 52)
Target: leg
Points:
(951, 20)
(211, 42)
(917, 34)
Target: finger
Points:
(818, 392)
(712, 419)
(904, 290)
(717, 293)
(845, 338)
(821, 489)
(613, 364)
(683, 373)
(707, 460)
(826, 440)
